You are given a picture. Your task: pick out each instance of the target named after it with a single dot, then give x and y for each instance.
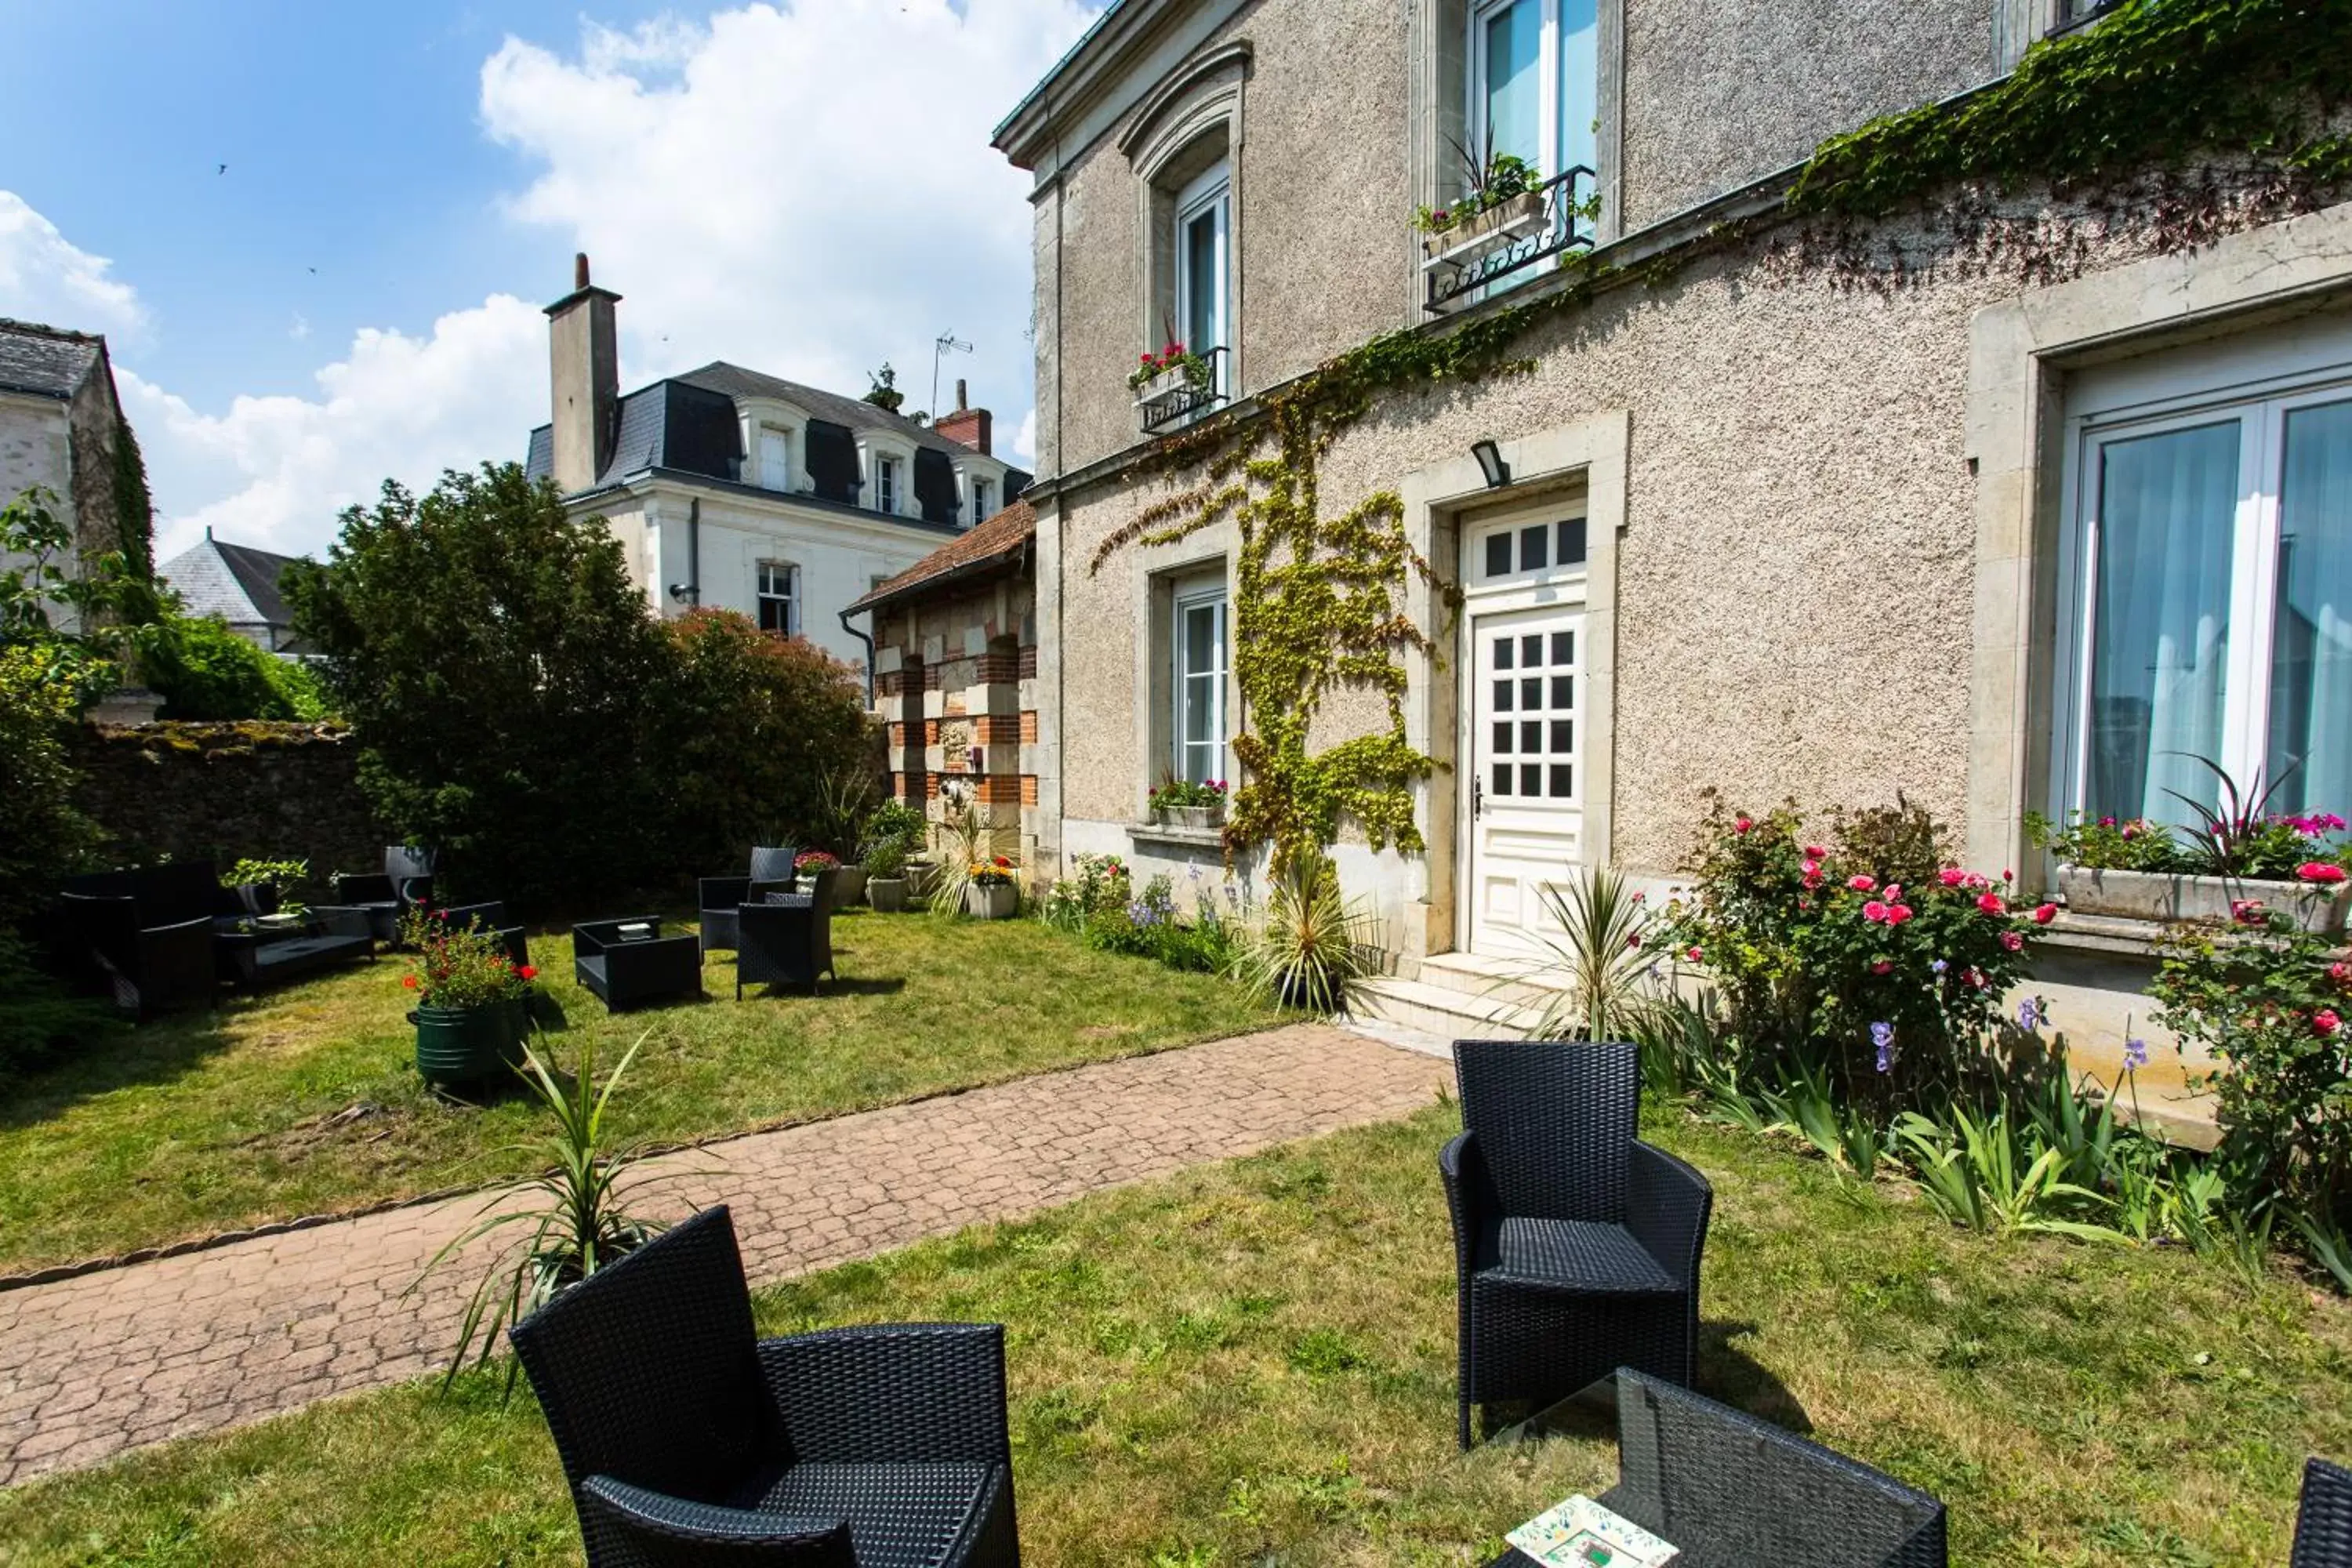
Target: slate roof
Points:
(657, 430)
(236, 582)
(999, 540)
(46, 361)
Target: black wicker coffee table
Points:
(1731, 1491)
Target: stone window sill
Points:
(1177, 837)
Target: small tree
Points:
(503, 674)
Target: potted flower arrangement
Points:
(2241, 856)
(1182, 803)
(989, 892)
(1504, 198)
(848, 885)
(886, 874)
(472, 1002)
(1173, 368)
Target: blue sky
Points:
(805, 189)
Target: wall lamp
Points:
(1491, 464)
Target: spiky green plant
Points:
(1597, 960)
(1316, 945)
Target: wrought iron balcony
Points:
(1509, 241)
(1175, 396)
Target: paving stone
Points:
(174, 1346)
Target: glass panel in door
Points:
(2165, 519)
(2310, 749)
(1527, 819)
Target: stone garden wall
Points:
(251, 788)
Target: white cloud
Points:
(1024, 441)
(45, 278)
(805, 190)
(275, 471)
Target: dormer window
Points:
(772, 457)
(885, 483)
(980, 507)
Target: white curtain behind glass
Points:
(2167, 505)
(2311, 651)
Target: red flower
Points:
(409, 981)
(1815, 852)
(1742, 825)
(2045, 914)
(2325, 1022)
(527, 971)
(1693, 956)
(1952, 876)
(1897, 913)
(2246, 912)
(2323, 871)
(1862, 884)
(2341, 974)
(1003, 863)
(1884, 966)
(1990, 903)
(1873, 912)
(2012, 940)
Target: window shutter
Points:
(935, 489)
(833, 460)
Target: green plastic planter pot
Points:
(468, 1045)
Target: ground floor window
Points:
(1199, 685)
(2211, 601)
(778, 594)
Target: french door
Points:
(1526, 785)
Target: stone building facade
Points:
(60, 422)
(956, 680)
(1811, 512)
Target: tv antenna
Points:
(940, 346)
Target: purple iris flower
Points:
(1883, 1037)
(2135, 1053)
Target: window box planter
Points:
(1195, 816)
(887, 894)
(1167, 383)
(999, 902)
(1523, 213)
(2161, 897)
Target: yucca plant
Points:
(963, 843)
(578, 1224)
(1315, 946)
(1604, 972)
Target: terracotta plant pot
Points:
(1001, 902)
(887, 894)
(2160, 897)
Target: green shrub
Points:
(42, 835)
(202, 670)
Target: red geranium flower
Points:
(528, 971)
(409, 981)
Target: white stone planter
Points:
(997, 903)
(889, 894)
(2160, 897)
(849, 887)
(1514, 217)
(1196, 816)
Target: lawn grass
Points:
(306, 1100)
(1253, 1362)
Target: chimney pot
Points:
(960, 404)
(579, 269)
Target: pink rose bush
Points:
(1811, 944)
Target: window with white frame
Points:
(1204, 268)
(2208, 570)
(778, 597)
(980, 512)
(1535, 83)
(885, 483)
(1199, 687)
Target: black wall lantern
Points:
(1491, 464)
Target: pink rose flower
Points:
(1873, 912)
(2012, 940)
(1897, 913)
(2340, 973)
(2320, 871)
(1884, 966)
(2045, 914)
(2246, 912)
(2325, 1022)
(1991, 904)
(1862, 884)
(1742, 825)
(1692, 955)
(1952, 876)
(1815, 852)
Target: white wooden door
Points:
(1527, 813)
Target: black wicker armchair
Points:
(2322, 1526)
(494, 918)
(1729, 1489)
(1576, 1244)
(145, 935)
(406, 884)
(628, 961)
(686, 1440)
(720, 896)
(786, 939)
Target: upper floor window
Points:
(885, 483)
(2070, 12)
(980, 512)
(1204, 273)
(773, 456)
(1535, 83)
(2210, 564)
(778, 597)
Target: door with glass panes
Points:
(1526, 794)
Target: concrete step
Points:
(1440, 1011)
(1519, 982)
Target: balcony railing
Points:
(1172, 397)
(1509, 241)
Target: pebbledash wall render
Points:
(1823, 492)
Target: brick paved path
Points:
(93, 1365)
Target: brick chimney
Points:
(971, 427)
(585, 376)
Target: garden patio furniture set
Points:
(777, 921)
(686, 1440)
